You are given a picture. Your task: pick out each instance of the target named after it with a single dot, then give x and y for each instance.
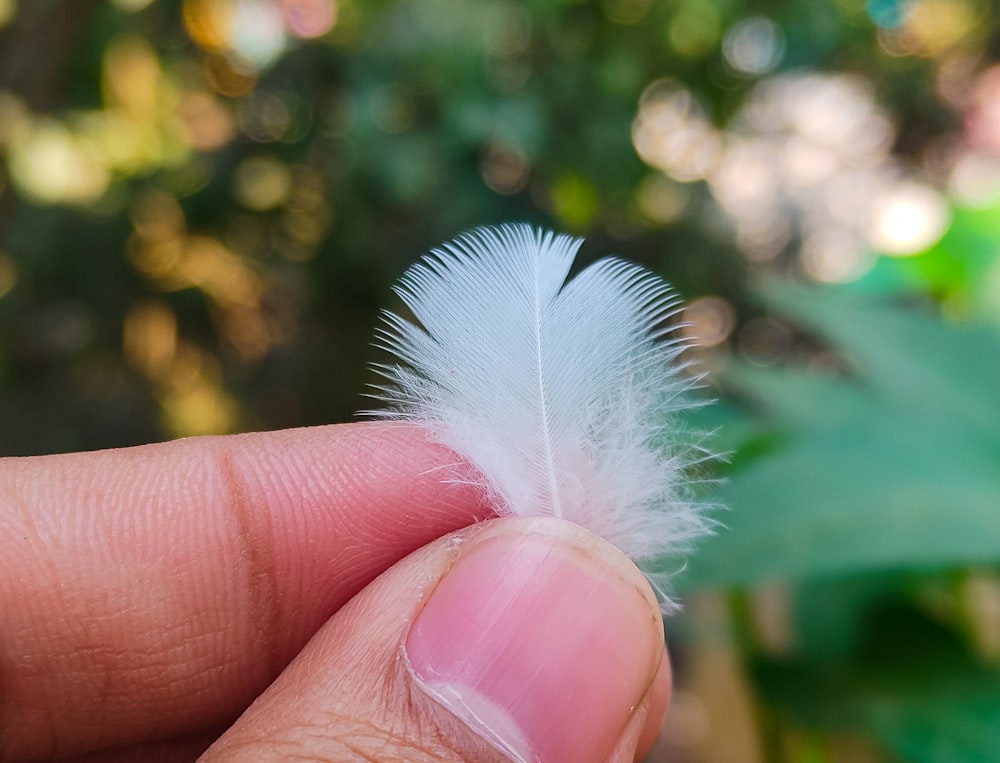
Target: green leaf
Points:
(909, 496)
(906, 355)
(795, 400)
(898, 468)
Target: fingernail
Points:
(538, 646)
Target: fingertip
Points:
(543, 639)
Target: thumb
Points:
(515, 639)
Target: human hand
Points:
(337, 578)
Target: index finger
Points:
(157, 590)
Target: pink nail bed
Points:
(541, 658)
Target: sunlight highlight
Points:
(909, 219)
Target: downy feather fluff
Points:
(562, 393)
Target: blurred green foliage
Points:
(203, 204)
(869, 484)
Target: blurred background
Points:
(203, 205)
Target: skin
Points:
(149, 596)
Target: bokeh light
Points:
(52, 165)
(250, 31)
(709, 321)
(150, 337)
(753, 46)
(504, 168)
(209, 22)
(574, 201)
(695, 29)
(975, 179)
(309, 18)
(908, 219)
(208, 123)
(262, 183)
(890, 14)
(834, 255)
(672, 133)
(806, 163)
(256, 32)
(662, 200)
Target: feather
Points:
(562, 393)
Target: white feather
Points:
(562, 394)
